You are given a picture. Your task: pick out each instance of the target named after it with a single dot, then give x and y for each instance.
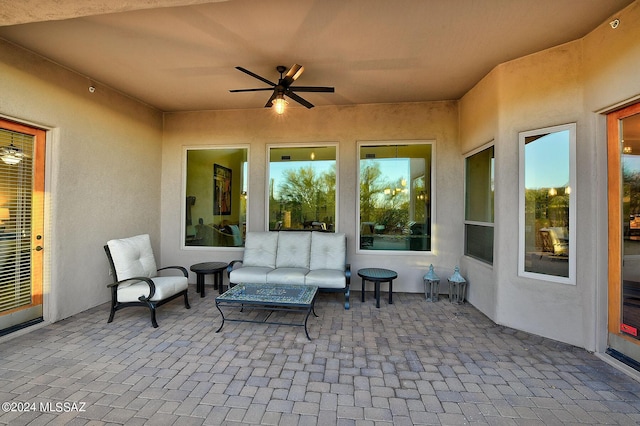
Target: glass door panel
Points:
(22, 159)
(623, 146)
(630, 298)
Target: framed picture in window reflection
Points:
(221, 190)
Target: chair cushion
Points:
(250, 275)
(133, 257)
(165, 287)
(260, 249)
(328, 251)
(326, 278)
(293, 250)
(287, 276)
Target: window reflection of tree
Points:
(305, 196)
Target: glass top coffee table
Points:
(270, 297)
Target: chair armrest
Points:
(183, 270)
(149, 281)
(231, 265)
(347, 273)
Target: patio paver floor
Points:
(413, 362)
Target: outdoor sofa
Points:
(294, 257)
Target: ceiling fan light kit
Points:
(280, 104)
(284, 87)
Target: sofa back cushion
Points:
(328, 251)
(133, 257)
(293, 249)
(260, 249)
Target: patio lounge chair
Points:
(136, 282)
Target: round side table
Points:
(376, 276)
(207, 268)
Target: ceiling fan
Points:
(284, 88)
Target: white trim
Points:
(476, 223)
(50, 266)
(491, 143)
(619, 365)
(432, 179)
(333, 144)
(571, 127)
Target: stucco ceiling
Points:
(179, 55)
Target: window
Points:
(479, 190)
(215, 197)
(547, 204)
(395, 196)
(302, 188)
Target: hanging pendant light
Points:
(11, 154)
(280, 103)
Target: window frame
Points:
(183, 192)
(468, 155)
(269, 146)
(571, 279)
(432, 188)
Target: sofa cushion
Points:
(287, 276)
(133, 257)
(328, 251)
(293, 250)
(250, 275)
(260, 249)
(165, 288)
(326, 278)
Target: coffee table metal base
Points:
(269, 297)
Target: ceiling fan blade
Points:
(269, 103)
(254, 75)
(298, 99)
(251, 90)
(295, 71)
(312, 89)
(292, 75)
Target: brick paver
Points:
(412, 362)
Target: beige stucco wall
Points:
(112, 171)
(102, 173)
(539, 91)
(574, 82)
(437, 121)
(536, 91)
(611, 67)
(611, 62)
(478, 128)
